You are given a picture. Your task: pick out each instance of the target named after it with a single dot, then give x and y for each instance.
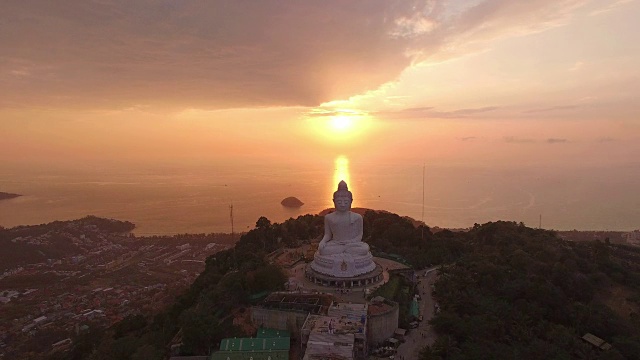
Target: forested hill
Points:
(31, 244)
(204, 314)
(4, 195)
(506, 292)
(520, 293)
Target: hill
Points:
(5, 196)
(30, 244)
(292, 202)
(526, 293)
(201, 316)
(505, 291)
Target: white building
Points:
(632, 237)
(183, 246)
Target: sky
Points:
(492, 83)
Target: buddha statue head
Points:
(342, 198)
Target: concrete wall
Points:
(291, 321)
(380, 327)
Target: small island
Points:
(292, 202)
(6, 196)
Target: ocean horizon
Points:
(197, 199)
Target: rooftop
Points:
(312, 303)
(252, 355)
(254, 344)
(272, 333)
(379, 308)
(328, 324)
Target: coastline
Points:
(7, 196)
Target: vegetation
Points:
(391, 233)
(505, 291)
(390, 290)
(200, 317)
(4, 195)
(525, 294)
(100, 224)
(400, 290)
(58, 243)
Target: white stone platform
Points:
(343, 265)
(364, 280)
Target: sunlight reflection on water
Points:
(341, 172)
(197, 200)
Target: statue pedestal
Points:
(343, 265)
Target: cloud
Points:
(516, 140)
(468, 138)
(323, 112)
(432, 113)
(222, 54)
(473, 111)
(606, 139)
(612, 6)
(577, 66)
(552, 108)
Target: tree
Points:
(263, 223)
(129, 324)
(148, 352)
(200, 331)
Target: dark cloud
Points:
(320, 112)
(432, 113)
(516, 140)
(224, 53)
(606, 139)
(467, 112)
(468, 138)
(418, 110)
(552, 108)
(555, 141)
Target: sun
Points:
(338, 126)
(342, 123)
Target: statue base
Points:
(343, 265)
(361, 281)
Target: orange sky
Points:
(483, 82)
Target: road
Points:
(416, 339)
(423, 335)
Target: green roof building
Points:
(270, 344)
(415, 308)
(252, 344)
(250, 355)
(272, 333)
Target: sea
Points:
(221, 197)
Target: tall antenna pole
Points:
(231, 216)
(423, 167)
(540, 223)
(235, 259)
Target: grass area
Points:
(399, 290)
(390, 289)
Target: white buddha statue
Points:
(341, 252)
(342, 228)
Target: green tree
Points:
(148, 352)
(200, 331)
